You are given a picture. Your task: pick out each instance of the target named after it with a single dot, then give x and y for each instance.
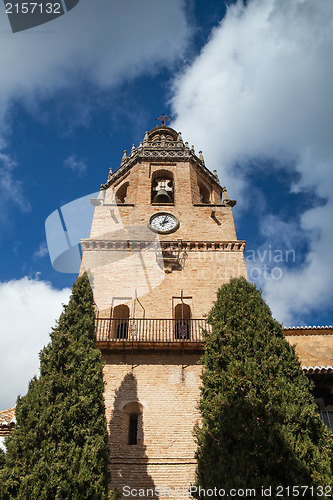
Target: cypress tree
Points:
(59, 447)
(260, 425)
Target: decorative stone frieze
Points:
(168, 246)
(159, 147)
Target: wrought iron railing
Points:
(327, 418)
(150, 330)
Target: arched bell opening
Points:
(120, 321)
(121, 193)
(162, 187)
(182, 321)
(204, 193)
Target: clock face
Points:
(163, 223)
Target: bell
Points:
(162, 197)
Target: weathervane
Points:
(163, 118)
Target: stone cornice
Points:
(167, 246)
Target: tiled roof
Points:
(318, 369)
(307, 327)
(7, 417)
(308, 330)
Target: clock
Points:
(163, 223)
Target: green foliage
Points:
(59, 447)
(2, 458)
(114, 494)
(260, 426)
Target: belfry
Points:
(162, 242)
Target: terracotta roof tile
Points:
(7, 417)
(308, 330)
(318, 369)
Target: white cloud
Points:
(310, 286)
(77, 165)
(102, 43)
(41, 252)
(28, 310)
(11, 192)
(261, 90)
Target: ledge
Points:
(208, 205)
(162, 204)
(155, 245)
(128, 345)
(118, 205)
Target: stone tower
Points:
(162, 242)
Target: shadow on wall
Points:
(128, 459)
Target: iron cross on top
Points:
(163, 118)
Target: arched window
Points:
(133, 417)
(182, 321)
(204, 194)
(120, 321)
(121, 194)
(162, 187)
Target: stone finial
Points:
(215, 174)
(192, 148)
(225, 194)
(226, 200)
(124, 155)
(201, 156)
(133, 149)
(186, 145)
(110, 174)
(145, 139)
(179, 138)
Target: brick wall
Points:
(166, 384)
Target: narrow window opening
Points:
(133, 429)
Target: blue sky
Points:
(249, 85)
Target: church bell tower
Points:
(162, 242)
